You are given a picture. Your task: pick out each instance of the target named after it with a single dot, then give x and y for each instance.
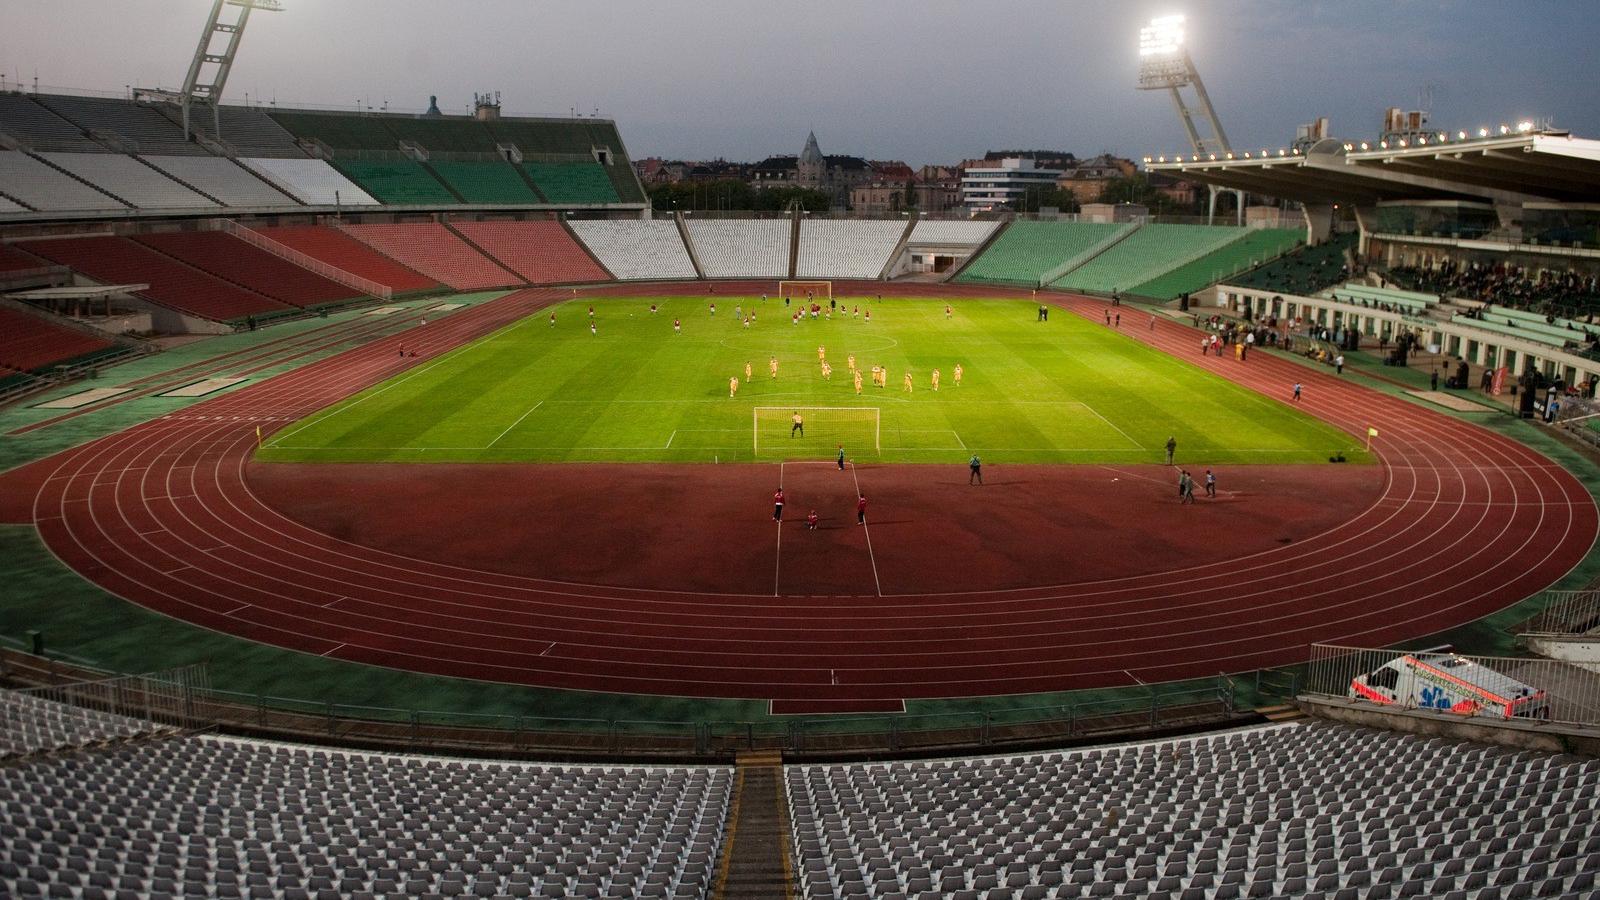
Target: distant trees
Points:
(1037, 196)
(1136, 188)
(733, 194)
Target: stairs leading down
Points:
(756, 865)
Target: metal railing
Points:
(304, 261)
(1565, 613)
(80, 712)
(1487, 689)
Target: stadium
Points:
(408, 505)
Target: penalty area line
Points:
(514, 424)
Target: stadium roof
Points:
(1516, 168)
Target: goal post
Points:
(818, 290)
(822, 428)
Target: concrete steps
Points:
(756, 864)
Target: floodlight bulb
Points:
(1524, 127)
(1483, 132)
(1365, 146)
(1504, 130)
(1461, 135)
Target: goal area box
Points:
(818, 290)
(825, 427)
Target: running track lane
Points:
(1467, 523)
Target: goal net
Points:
(818, 291)
(822, 429)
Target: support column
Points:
(1319, 222)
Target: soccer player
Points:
(811, 521)
(827, 371)
(883, 377)
(936, 379)
(733, 386)
(861, 509)
(908, 383)
(713, 308)
(855, 311)
(947, 310)
(822, 353)
(747, 321)
(868, 318)
(777, 506)
(747, 370)
(677, 327)
(851, 361)
(591, 327)
(798, 423)
(552, 320)
(652, 309)
(857, 374)
(738, 311)
(772, 366)
(763, 298)
(591, 311)
(1211, 484)
(958, 374)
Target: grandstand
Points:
(1305, 271)
(133, 126)
(398, 182)
(32, 343)
(953, 232)
(1255, 247)
(237, 262)
(13, 259)
(116, 260)
(128, 179)
(221, 179)
(486, 182)
(541, 252)
(437, 252)
(750, 248)
(214, 817)
(24, 119)
(311, 181)
(1282, 811)
(43, 187)
(834, 248)
(1026, 251)
(248, 130)
(572, 182)
(1149, 251)
(335, 248)
(636, 251)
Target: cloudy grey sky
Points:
(930, 81)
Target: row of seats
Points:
(232, 818)
(150, 130)
(401, 182)
(541, 252)
(223, 179)
(636, 250)
(1256, 246)
(486, 182)
(572, 182)
(32, 343)
(1145, 254)
(129, 180)
(118, 260)
(833, 248)
(437, 252)
(742, 248)
(246, 265)
(78, 182)
(335, 248)
(952, 232)
(28, 180)
(33, 724)
(1304, 272)
(1287, 811)
(1026, 252)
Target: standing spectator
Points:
(777, 506)
(841, 446)
(974, 470)
(1172, 446)
(1297, 392)
(1338, 364)
(1211, 484)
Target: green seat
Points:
(486, 182)
(572, 182)
(403, 182)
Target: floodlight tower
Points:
(1164, 65)
(204, 84)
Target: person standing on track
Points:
(861, 509)
(777, 506)
(974, 470)
(1211, 484)
(811, 520)
(841, 457)
(1297, 392)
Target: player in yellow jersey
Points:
(772, 366)
(822, 353)
(747, 371)
(857, 375)
(936, 379)
(827, 371)
(908, 383)
(733, 386)
(958, 374)
(851, 361)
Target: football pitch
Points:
(1063, 391)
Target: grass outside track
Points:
(1063, 391)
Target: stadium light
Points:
(1162, 37)
(1524, 127)
(1461, 135)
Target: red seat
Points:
(542, 252)
(436, 252)
(30, 343)
(336, 248)
(231, 259)
(117, 260)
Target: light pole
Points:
(1164, 65)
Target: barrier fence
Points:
(77, 713)
(1490, 688)
(1565, 612)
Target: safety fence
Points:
(80, 713)
(1565, 613)
(1490, 688)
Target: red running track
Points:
(1467, 523)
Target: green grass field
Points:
(1067, 391)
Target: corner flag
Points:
(1371, 433)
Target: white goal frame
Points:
(877, 421)
(793, 288)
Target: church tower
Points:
(811, 170)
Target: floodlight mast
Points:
(1164, 65)
(206, 87)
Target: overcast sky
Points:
(928, 82)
